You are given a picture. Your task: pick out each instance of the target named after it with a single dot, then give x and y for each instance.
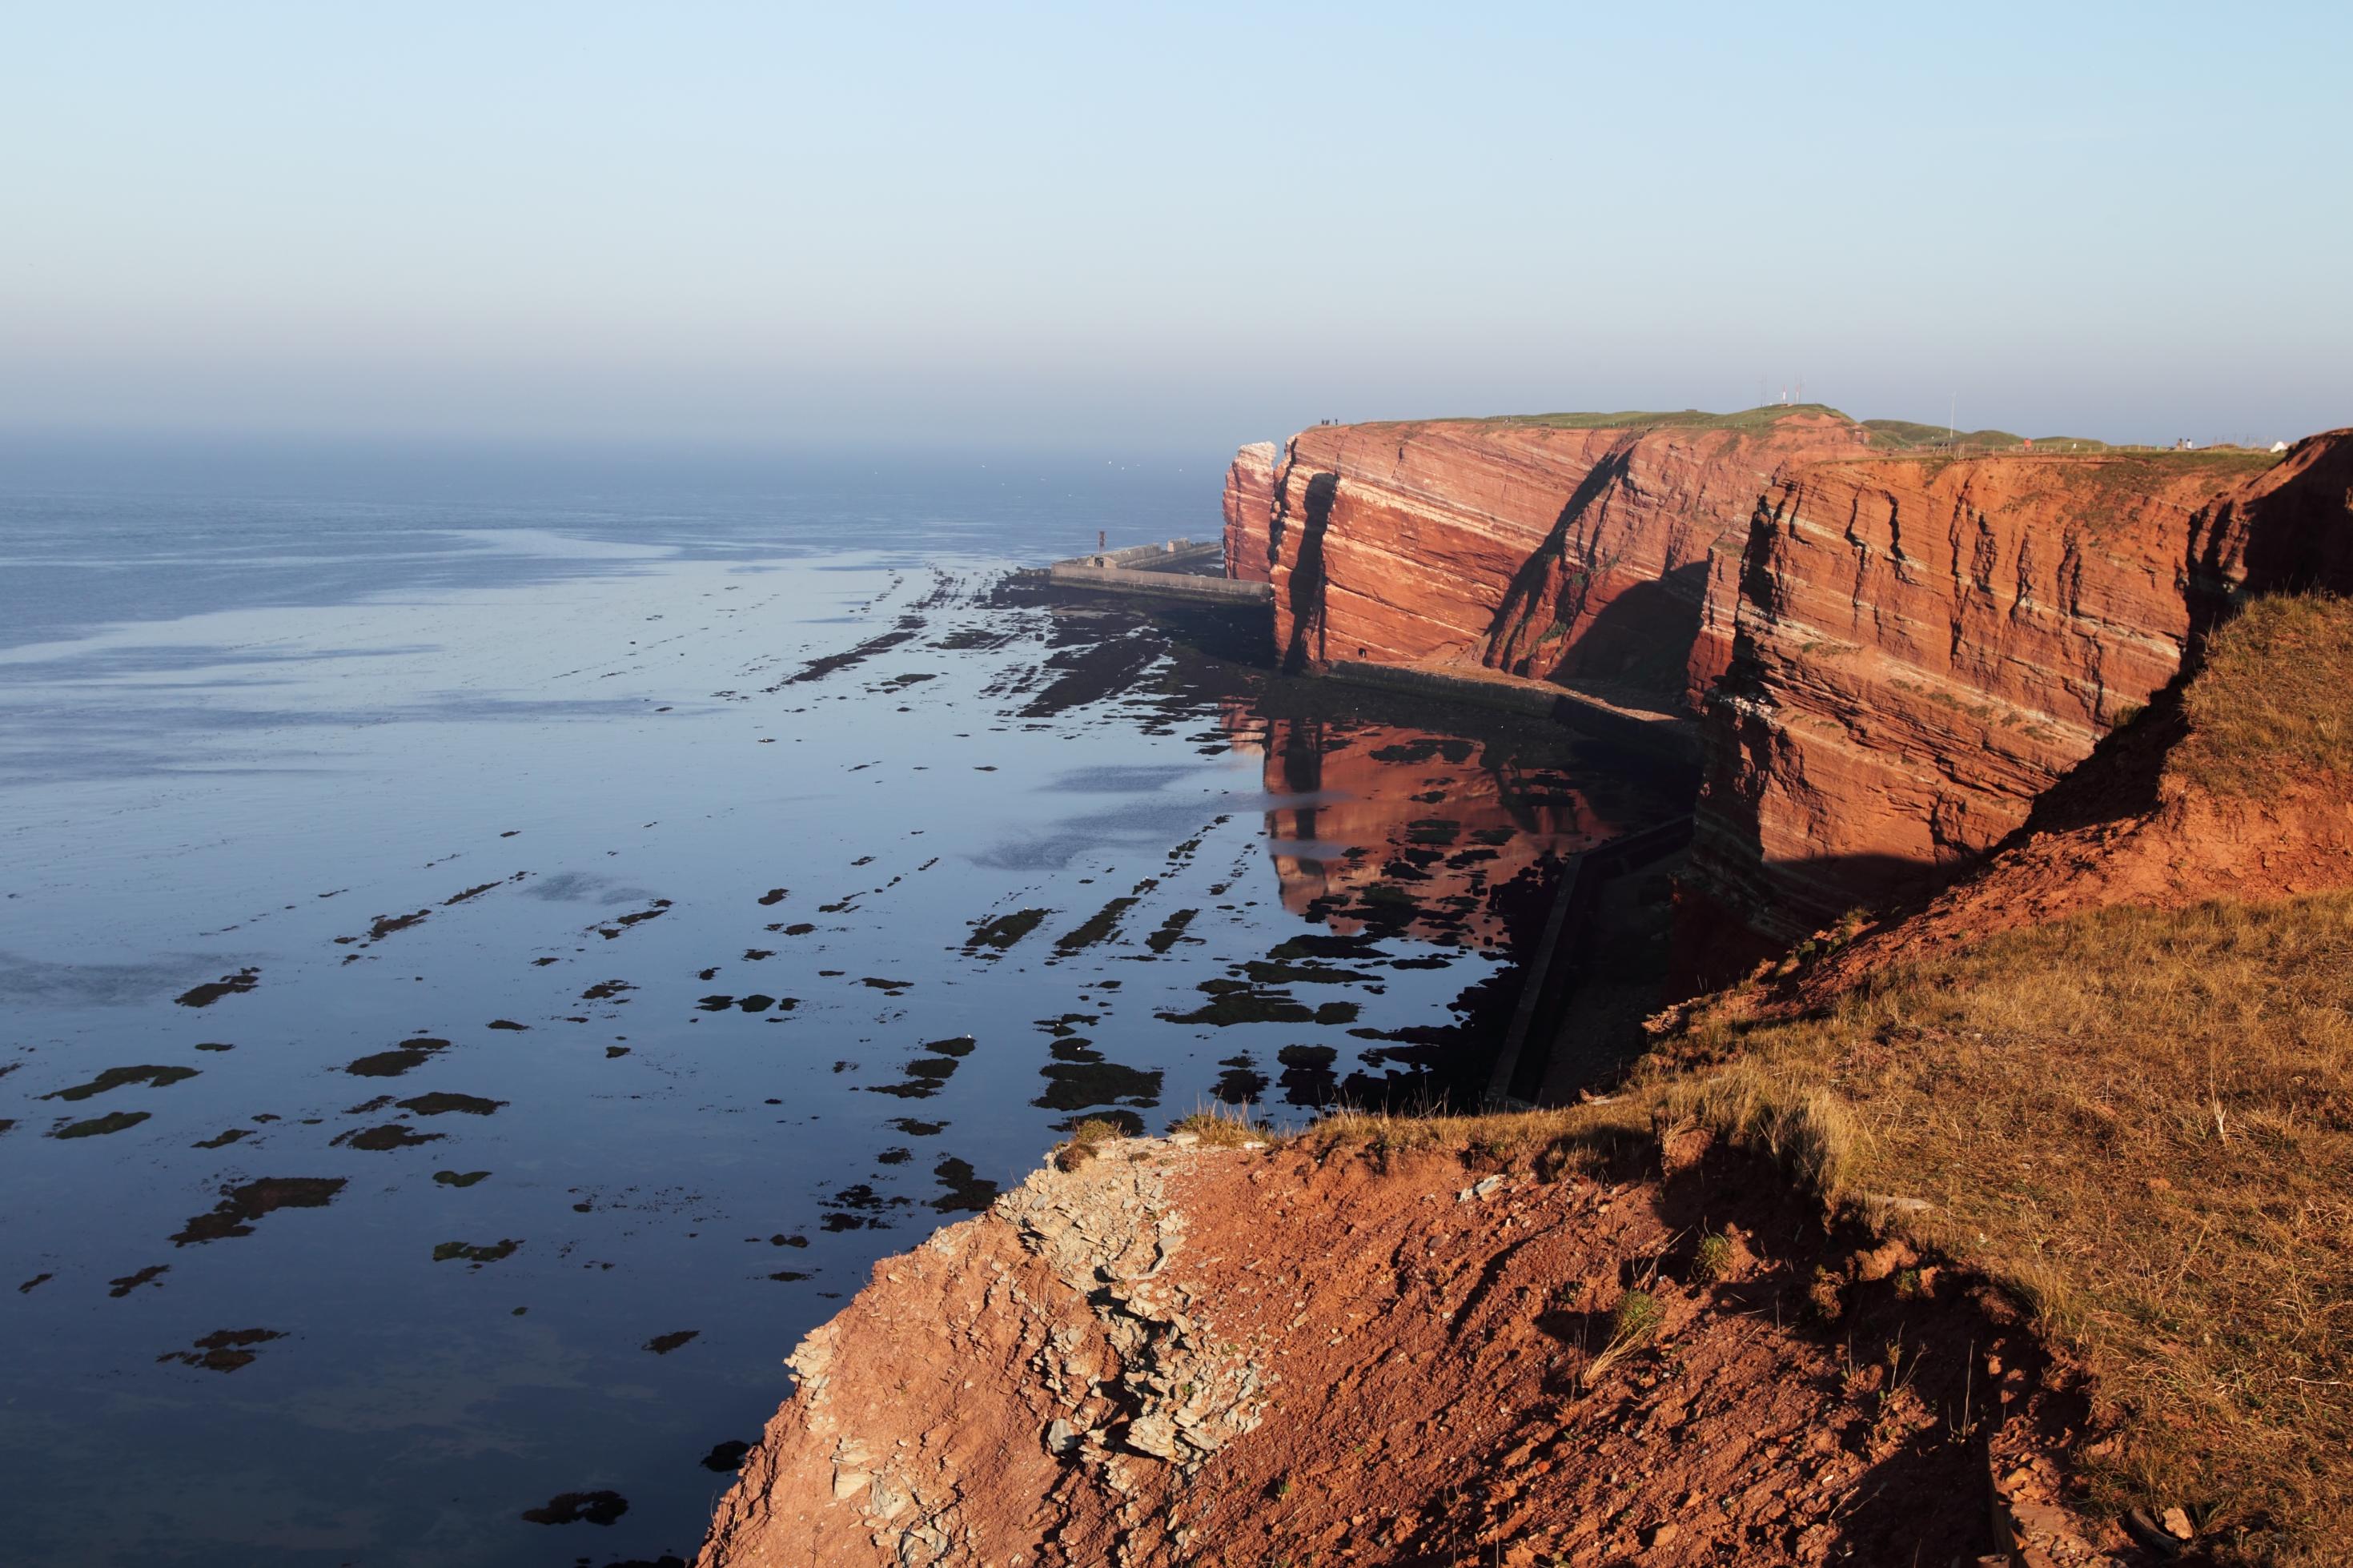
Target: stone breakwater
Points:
(1894, 656)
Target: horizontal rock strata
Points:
(1249, 503)
(1894, 655)
(1545, 552)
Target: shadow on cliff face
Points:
(1547, 580)
(2298, 522)
(1308, 575)
(2119, 779)
(1729, 918)
(1637, 650)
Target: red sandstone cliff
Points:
(1916, 647)
(1250, 502)
(1566, 553)
(1923, 648)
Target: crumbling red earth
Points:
(1328, 1353)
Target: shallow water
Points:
(569, 939)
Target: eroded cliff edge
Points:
(1893, 655)
(1171, 1353)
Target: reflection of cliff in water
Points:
(1381, 833)
(1412, 834)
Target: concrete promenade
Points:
(1166, 571)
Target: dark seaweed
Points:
(241, 1206)
(567, 1508)
(399, 1059)
(115, 1078)
(1004, 930)
(440, 1103)
(222, 1350)
(99, 1126)
(1097, 926)
(476, 1256)
(212, 991)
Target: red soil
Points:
(1318, 1354)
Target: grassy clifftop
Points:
(2143, 1121)
(1897, 438)
(2271, 702)
(1763, 418)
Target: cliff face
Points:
(1920, 649)
(1250, 502)
(1911, 651)
(2290, 527)
(1557, 554)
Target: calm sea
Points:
(493, 947)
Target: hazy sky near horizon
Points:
(1161, 229)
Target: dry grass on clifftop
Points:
(2140, 1121)
(2144, 1121)
(2274, 703)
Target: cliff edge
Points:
(1337, 1351)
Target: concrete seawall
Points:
(1174, 555)
(1158, 584)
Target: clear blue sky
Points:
(1145, 228)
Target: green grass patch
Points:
(1747, 419)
